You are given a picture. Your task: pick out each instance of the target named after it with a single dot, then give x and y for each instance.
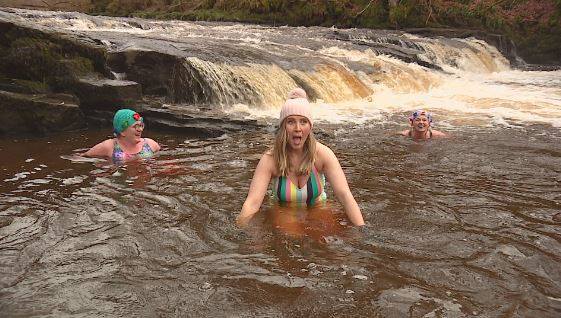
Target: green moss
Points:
(42, 61)
(33, 86)
(30, 59)
(78, 65)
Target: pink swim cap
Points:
(297, 93)
(296, 106)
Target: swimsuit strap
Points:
(118, 153)
(116, 145)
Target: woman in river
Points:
(128, 144)
(297, 165)
(421, 126)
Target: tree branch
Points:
(365, 8)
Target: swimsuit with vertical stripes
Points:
(286, 191)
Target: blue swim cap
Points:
(123, 119)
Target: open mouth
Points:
(297, 140)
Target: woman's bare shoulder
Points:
(267, 162)
(324, 156)
(437, 133)
(323, 150)
(267, 158)
(102, 149)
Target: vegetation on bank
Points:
(534, 25)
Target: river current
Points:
(466, 226)
(459, 227)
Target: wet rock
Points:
(412, 302)
(22, 86)
(106, 93)
(502, 43)
(180, 119)
(510, 251)
(153, 70)
(360, 277)
(39, 114)
(392, 46)
(43, 55)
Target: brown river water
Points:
(467, 226)
(462, 227)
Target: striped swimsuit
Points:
(286, 191)
(119, 155)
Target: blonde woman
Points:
(297, 165)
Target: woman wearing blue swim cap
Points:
(128, 143)
(421, 126)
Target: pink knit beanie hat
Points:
(296, 106)
(297, 93)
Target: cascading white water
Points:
(351, 78)
(486, 94)
(255, 84)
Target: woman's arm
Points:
(102, 150)
(338, 181)
(257, 189)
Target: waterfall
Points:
(346, 72)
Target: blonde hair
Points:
(280, 155)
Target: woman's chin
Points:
(296, 146)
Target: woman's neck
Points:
(295, 154)
(127, 143)
(295, 158)
(420, 134)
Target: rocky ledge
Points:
(51, 82)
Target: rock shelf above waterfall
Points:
(109, 63)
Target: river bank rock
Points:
(107, 93)
(39, 113)
(53, 81)
(199, 122)
(153, 70)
